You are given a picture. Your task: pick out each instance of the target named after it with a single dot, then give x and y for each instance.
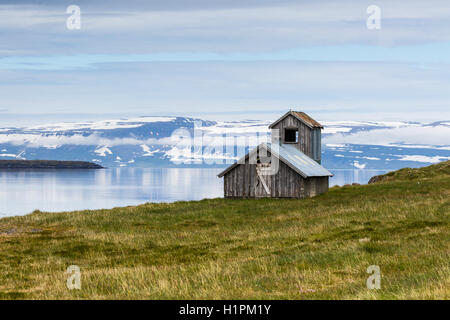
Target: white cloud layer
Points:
(434, 136)
(46, 68)
(343, 91)
(222, 27)
(37, 141)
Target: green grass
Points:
(317, 248)
(437, 170)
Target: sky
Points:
(215, 59)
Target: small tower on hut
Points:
(295, 160)
(300, 131)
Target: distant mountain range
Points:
(165, 142)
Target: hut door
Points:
(262, 181)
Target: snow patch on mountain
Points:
(147, 151)
(102, 125)
(103, 151)
(149, 141)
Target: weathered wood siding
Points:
(316, 185)
(242, 182)
(309, 140)
(316, 145)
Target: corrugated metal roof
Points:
(299, 161)
(292, 157)
(300, 116)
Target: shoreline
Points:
(47, 164)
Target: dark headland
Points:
(47, 164)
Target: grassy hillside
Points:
(316, 248)
(437, 170)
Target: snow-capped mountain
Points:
(179, 141)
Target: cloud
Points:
(216, 26)
(331, 91)
(37, 140)
(202, 56)
(179, 137)
(434, 136)
(425, 159)
(430, 54)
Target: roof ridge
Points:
(304, 116)
(301, 116)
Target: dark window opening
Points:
(290, 135)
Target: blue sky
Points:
(224, 60)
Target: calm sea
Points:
(23, 191)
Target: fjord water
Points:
(22, 191)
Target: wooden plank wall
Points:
(316, 185)
(287, 183)
(304, 134)
(317, 145)
(241, 183)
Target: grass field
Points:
(317, 248)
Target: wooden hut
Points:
(288, 167)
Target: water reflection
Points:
(21, 192)
(349, 176)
